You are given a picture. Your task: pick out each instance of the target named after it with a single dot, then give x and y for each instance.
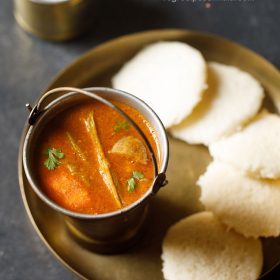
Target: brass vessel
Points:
(57, 20)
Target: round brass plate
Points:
(180, 197)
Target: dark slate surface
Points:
(27, 64)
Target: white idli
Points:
(255, 149)
(232, 98)
(201, 247)
(168, 76)
(250, 206)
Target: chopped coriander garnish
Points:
(138, 175)
(53, 155)
(131, 184)
(121, 125)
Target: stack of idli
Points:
(242, 185)
(198, 102)
(218, 106)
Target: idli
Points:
(201, 247)
(232, 98)
(168, 76)
(255, 149)
(250, 206)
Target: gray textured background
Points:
(27, 64)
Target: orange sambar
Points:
(76, 181)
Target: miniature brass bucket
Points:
(104, 233)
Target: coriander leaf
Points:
(52, 162)
(131, 184)
(138, 175)
(57, 153)
(121, 125)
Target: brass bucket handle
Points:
(160, 179)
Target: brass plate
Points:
(176, 200)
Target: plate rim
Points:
(106, 43)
